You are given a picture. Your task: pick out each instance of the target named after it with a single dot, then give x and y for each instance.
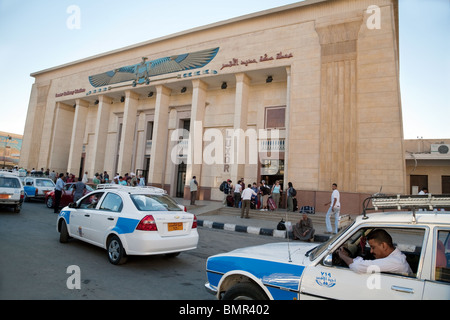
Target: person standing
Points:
(246, 198)
(193, 185)
(276, 193)
(78, 190)
(291, 193)
(58, 192)
(237, 194)
(335, 207)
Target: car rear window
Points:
(44, 183)
(147, 202)
(9, 182)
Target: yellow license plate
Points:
(5, 196)
(175, 226)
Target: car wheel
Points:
(63, 234)
(116, 252)
(49, 202)
(245, 291)
(17, 208)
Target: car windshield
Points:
(44, 183)
(317, 251)
(9, 182)
(151, 202)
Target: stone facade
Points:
(331, 67)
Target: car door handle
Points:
(111, 219)
(402, 289)
(87, 215)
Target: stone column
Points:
(195, 157)
(128, 130)
(240, 125)
(101, 133)
(78, 131)
(160, 137)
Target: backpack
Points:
(293, 192)
(222, 186)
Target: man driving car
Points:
(387, 257)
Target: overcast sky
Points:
(34, 36)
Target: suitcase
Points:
(271, 204)
(230, 201)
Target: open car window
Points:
(408, 240)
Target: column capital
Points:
(82, 103)
(131, 95)
(243, 77)
(163, 90)
(105, 99)
(197, 83)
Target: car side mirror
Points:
(73, 205)
(328, 260)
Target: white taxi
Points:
(293, 271)
(129, 221)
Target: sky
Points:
(35, 35)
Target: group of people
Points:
(251, 195)
(80, 183)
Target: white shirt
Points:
(336, 195)
(247, 194)
(237, 188)
(395, 263)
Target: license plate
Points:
(5, 196)
(175, 226)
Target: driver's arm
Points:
(344, 256)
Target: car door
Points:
(66, 196)
(106, 217)
(438, 288)
(333, 280)
(29, 188)
(80, 219)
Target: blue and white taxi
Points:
(129, 221)
(293, 271)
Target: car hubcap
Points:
(114, 250)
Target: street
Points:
(35, 265)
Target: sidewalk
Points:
(212, 214)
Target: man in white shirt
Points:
(387, 257)
(246, 198)
(335, 207)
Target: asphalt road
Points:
(34, 265)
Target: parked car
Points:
(37, 187)
(292, 271)
(129, 221)
(11, 191)
(66, 196)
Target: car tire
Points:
(116, 252)
(17, 208)
(49, 202)
(244, 291)
(64, 234)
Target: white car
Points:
(295, 271)
(11, 191)
(126, 221)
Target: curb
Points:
(253, 230)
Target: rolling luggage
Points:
(230, 201)
(271, 204)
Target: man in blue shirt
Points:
(58, 192)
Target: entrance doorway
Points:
(181, 179)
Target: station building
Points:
(310, 90)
